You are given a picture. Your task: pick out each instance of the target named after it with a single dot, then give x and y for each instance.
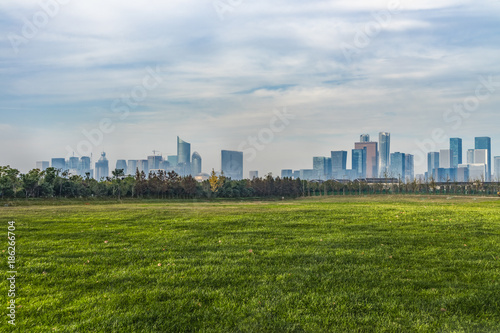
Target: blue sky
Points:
(224, 73)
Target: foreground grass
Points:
(382, 264)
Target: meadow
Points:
(323, 264)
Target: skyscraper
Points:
(131, 167)
(364, 138)
(398, 169)
(432, 163)
(497, 169)
(359, 162)
(195, 164)
(445, 158)
(320, 167)
(102, 167)
(384, 140)
(485, 143)
(409, 167)
(286, 173)
(84, 167)
(232, 164)
(59, 164)
(143, 166)
(183, 156)
(122, 165)
(154, 162)
(172, 159)
(456, 151)
(470, 156)
(339, 163)
(73, 163)
(371, 158)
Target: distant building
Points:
(497, 169)
(456, 152)
(384, 141)
(253, 174)
(296, 174)
(485, 143)
(131, 167)
(42, 165)
(359, 162)
(232, 164)
(121, 165)
(445, 158)
(432, 163)
(477, 171)
(143, 166)
(59, 164)
(339, 163)
(308, 174)
(287, 173)
(398, 165)
(364, 138)
(102, 167)
(172, 159)
(84, 167)
(165, 166)
(73, 163)
(320, 165)
(409, 167)
(154, 162)
(470, 156)
(462, 173)
(371, 157)
(183, 157)
(195, 164)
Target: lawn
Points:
(355, 264)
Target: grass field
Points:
(377, 264)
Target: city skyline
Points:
(424, 75)
(444, 164)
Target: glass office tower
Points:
(485, 143)
(456, 151)
(384, 144)
(232, 164)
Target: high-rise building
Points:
(172, 159)
(409, 167)
(102, 167)
(154, 162)
(165, 166)
(122, 165)
(253, 174)
(445, 158)
(481, 156)
(59, 164)
(364, 138)
(477, 171)
(183, 157)
(131, 167)
(456, 152)
(308, 174)
(384, 141)
(485, 143)
(463, 173)
(195, 164)
(432, 163)
(497, 169)
(371, 157)
(470, 156)
(398, 169)
(359, 162)
(84, 167)
(42, 165)
(232, 164)
(143, 166)
(73, 163)
(286, 173)
(339, 163)
(320, 165)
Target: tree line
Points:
(54, 183)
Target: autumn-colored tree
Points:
(216, 183)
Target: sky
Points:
(282, 81)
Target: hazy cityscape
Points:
(369, 160)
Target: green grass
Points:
(378, 264)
